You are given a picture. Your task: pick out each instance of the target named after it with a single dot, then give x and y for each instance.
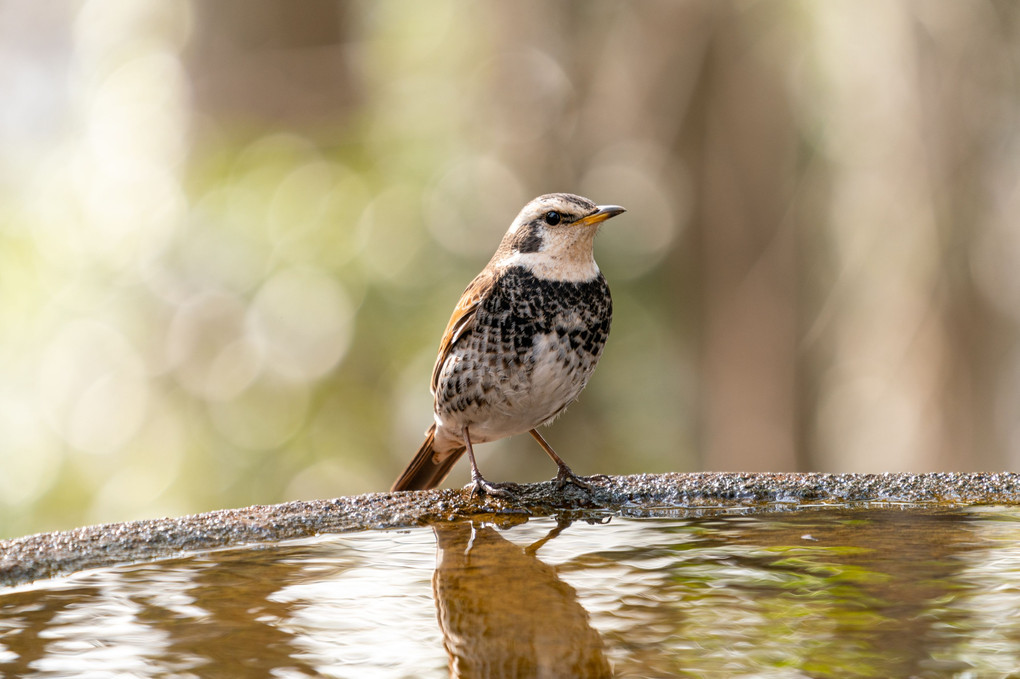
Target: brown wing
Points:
(462, 319)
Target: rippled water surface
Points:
(814, 593)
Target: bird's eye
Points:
(552, 218)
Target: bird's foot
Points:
(565, 476)
(480, 487)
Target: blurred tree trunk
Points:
(907, 348)
(967, 89)
(747, 244)
(273, 62)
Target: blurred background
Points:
(231, 235)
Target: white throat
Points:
(549, 267)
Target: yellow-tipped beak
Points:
(602, 214)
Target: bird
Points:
(521, 344)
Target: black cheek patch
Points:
(529, 239)
(533, 243)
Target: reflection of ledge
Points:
(39, 556)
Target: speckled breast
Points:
(529, 353)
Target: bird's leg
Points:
(561, 525)
(564, 475)
(478, 484)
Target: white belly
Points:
(522, 399)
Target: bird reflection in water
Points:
(505, 613)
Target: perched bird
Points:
(522, 341)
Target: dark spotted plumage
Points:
(523, 340)
(569, 321)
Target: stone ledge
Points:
(45, 555)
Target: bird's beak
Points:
(602, 214)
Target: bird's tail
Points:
(425, 471)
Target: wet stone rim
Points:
(45, 555)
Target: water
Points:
(886, 592)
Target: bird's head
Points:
(553, 236)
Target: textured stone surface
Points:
(39, 556)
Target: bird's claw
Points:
(480, 487)
(565, 476)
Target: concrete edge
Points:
(49, 554)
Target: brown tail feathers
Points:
(424, 472)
